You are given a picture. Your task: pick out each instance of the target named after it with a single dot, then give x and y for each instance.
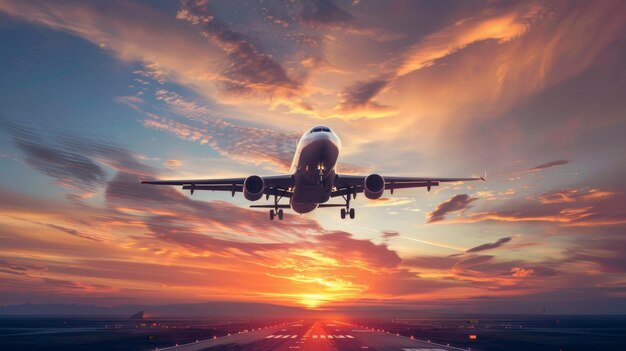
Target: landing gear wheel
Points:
(343, 213)
(280, 214)
(352, 213)
(271, 215)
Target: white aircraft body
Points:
(312, 180)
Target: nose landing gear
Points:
(321, 167)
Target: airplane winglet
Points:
(484, 178)
(140, 180)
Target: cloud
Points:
(249, 69)
(388, 202)
(356, 100)
(173, 163)
(521, 272)
(247, 144)
(229, 65)
(158, 235)
(575, 195)
(549, 165)
(58, 161)
(498, 25)
(323, 12)
(489, 246)
(457, 203)
(71, 231)
(570, 216)
(390, 234)
(70, 159)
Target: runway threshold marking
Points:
(281, 336)
(333, 336)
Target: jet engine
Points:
(373, 186)
(253, 187)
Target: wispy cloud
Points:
(575, 195)
(489, 246)
(74, 162)
(549, 165)
(455, 204)
(249, 68)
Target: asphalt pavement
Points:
(313, 336)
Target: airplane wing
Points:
(350, 184)
(274, 185)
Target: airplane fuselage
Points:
(313, 168)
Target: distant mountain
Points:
(138, 315)
(207, 309)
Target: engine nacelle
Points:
(253, 188)
(373, 186)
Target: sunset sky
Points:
(95, 95)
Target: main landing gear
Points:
(347, 211)
(276, 212)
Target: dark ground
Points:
(553, 333)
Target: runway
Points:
(313, 336)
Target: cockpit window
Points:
(321, 129)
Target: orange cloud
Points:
(575, 195)
(500, 27)
(173, 163)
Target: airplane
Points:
(312, 180)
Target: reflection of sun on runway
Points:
(313, 341)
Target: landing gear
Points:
(276, 212)
(321, 167)
(347, 211)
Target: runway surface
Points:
(313, 336)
